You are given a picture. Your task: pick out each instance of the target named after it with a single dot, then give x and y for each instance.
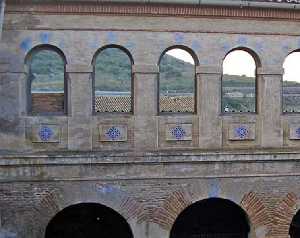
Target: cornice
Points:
(106, 8)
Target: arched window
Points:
(239, 82)
(294, 231)
(88, 220)
(46, 81)
(177, 81)
(291, 83)
(113, 85)
(211, 218)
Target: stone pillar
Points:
(269, 106)
(209, 106)
(145, 106)
(79, 107)
(13, 102)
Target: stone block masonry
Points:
(147, 166)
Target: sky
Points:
(246, 64)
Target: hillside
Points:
(113, 74)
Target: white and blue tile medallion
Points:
(298, 132)
(179, 132)
(45, 134)
(113, 133)
(294, 132)
(240, 132)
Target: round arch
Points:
(239, 85)
(181, 47)
(290, 83)
(289, 53)
(177, 81)
(112, 46)
(213, 217)
(39, 76)
(113, 86)
(49, 47)
(249, 51)
(88, 220)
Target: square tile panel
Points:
(241, 132)
(179, 132)
(46, 133)
(294, 131)
(113, 133)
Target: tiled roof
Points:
(123, 104)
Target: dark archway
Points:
(295, 226)
(88, 220)
(211, 218)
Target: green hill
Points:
(113, 72)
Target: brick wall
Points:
(47, 102)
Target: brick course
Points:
(147, 179)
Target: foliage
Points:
(47, 71)
(113, 73)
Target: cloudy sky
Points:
(241, 63)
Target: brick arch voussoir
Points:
(259, 217)
(108, 195)
(122, 202)
(283, 216)
(173, 205)
(45, 209)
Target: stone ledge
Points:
(173, 157)
(79, 69)
(145, 69)
(270, 70)
(209, 69)
(136, 171)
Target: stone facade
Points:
(49, 162)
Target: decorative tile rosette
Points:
(45, 133)
(297, 132)
(113, 133)
(179, 132)
(294, 132)
(240, 132)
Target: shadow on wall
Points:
(295, 226)
(88, 220)
(212, 218)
